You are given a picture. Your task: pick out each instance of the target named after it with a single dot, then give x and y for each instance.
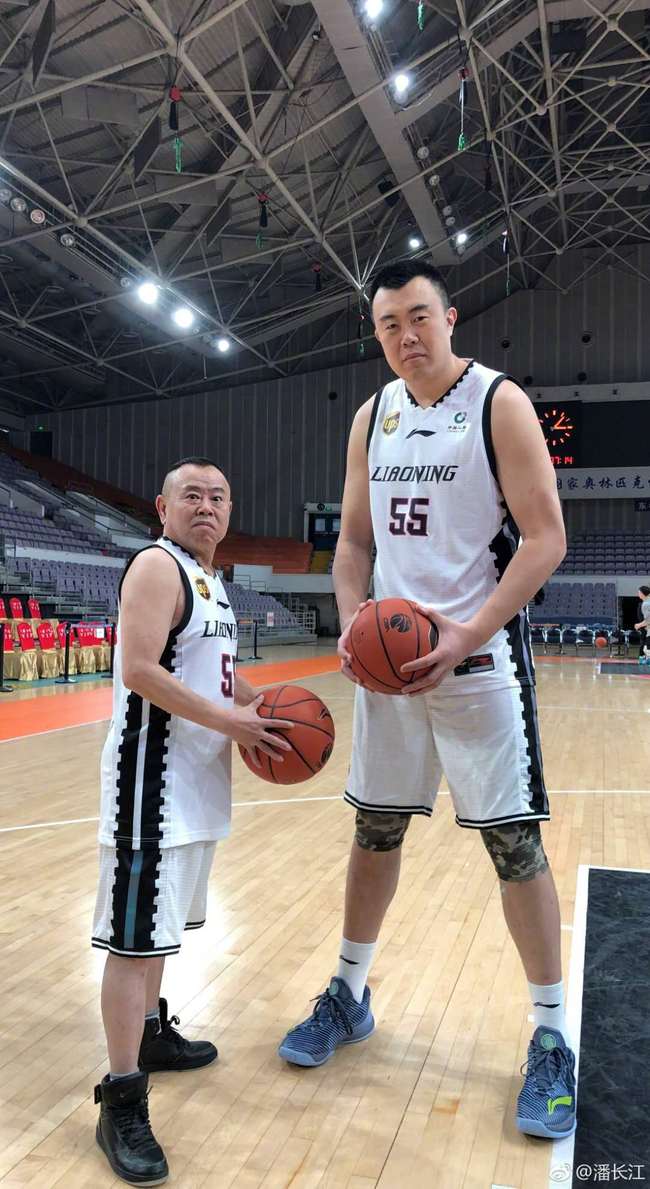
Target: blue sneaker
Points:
(547, 1103)
(337, 1019)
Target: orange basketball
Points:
(311, 739)
(385, 636)
(600, 642)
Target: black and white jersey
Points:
(443, 533)
(166, 781)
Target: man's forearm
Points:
(530, 568)
(351, 573)
(160, 688)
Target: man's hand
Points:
(344, 655)
(258, 734)
(637, 626)
(456, 641)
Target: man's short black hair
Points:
(195, 460)
(396, 276)
(645, 590)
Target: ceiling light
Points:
(461, 238)
(5, 194)
(126, 282)
(401, 83)
(18, 205)
(37, 216)
(415, 242)
(148, 293)
(423, 152)
(446, 210)
(433, 179)
(223, 345)
(183, 317)
(373, 8)
(67, 240)
(450, 220)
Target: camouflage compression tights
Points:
(516, 849)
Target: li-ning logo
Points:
(390, 423)
(400, 623)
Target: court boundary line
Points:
(75, 821)
(562, 1152)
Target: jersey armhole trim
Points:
(185, 582)
(487, 422)
(373, 418)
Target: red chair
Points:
(34, 608)
(16, 608)
(3, 609)
(11, 661)
(50, 659)
(72, 661)
(28, 663)
(86, 662)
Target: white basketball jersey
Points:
(166, 781)
(443, 533)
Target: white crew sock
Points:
(548, 1005)
(355, 959)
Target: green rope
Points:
(362, 348)
(178, 152)
(420, 15)
(258, 240)
(462, 143)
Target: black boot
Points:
(124, 1132)
(166, 1049)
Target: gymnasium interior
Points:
(194, 196)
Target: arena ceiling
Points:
(288, 115)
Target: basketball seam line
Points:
(377, 679)
(383, 644)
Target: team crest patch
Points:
(391, 422)
(202, 587)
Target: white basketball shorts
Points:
(147, 898)
(486, 744)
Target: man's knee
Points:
(516, 850)
(380, 831)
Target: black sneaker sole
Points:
(120, 1172)
(160, 1067)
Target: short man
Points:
(447, 466)
(177, 704)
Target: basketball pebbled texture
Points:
(385, 636)
(311, 739)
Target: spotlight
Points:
(126, 282)
(37, 216)
(415, 242)
(148, 293)
(450, 221)
(373, 8)
(433, 179)
(447, 210)
(401, 83)
(223, 345)
(67, 240)
(183, 317)
(423, 152)
(461, 239)
(5, 194)
(18, 205)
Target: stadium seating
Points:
(282, 553)
(610, 553)
(577, 603)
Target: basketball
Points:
(600, 642)
(385, 636)
(311, 739)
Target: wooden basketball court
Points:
(429, 1099)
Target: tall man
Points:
(447, 470)
(177, 704)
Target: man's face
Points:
(195, 508)
(414, 328)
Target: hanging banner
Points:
(598, 483)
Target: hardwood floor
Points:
(429, 1099)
